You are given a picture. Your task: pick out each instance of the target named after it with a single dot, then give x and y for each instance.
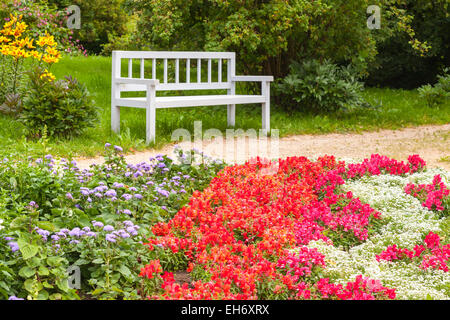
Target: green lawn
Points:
(399, 108)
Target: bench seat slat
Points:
(192, 101)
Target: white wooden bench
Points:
(151, 102)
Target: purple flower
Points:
(98, 195)
(118, 185)
(76, 232)
(123, 234)
(108, 228)
(163, 192)
(64, 230)
(126, 211)
(74, 242)
(13, 245)
(117, 148)
(110, 238)
(8, 238)
(132, 231)
(97, 224)
(33, 204)
(128, 223)
(127, 196)
(133, 189)
(107, 145)
(55, 237)
(111, 193)
(42, 232)
(138, 196)
(91, 234)
(14, 298)
(138, 174)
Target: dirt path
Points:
(431, 142)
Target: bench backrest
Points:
(186, 60)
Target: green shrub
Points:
(398, 64)
(64, 106)
(52, 217)
(319, 87)
(99, 20)
(437, 94)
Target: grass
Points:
(398, 108)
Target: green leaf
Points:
(54, 261)
(98, 261)
(43, 271)
(28, 250)
(32, 285)
(123, 269)
(18, 222)
(26, 272)
(97, 291)
(56, 296)
(46, 225)
(47, 285)
(13, 182)
(43, 295)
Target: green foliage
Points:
(319, 87)
(399, 108)
(42, 199)
(398, 64)
(12, 105)
(100, 19)
(64, 106)
(125, 41)
(436, 95)
(43, 18)
(266, 35)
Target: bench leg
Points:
(231, 115)
(150, 123)
(266, 117)
(115, 119)
(265, 90)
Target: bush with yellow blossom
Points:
(32, 92)
(19, 51)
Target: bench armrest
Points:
(152, 82)
(252, 78)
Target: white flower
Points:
(408, 221)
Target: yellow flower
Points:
(36, 55)
(4, 39)
(50, 59)
(47, 40)
(46, 75)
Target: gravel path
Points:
(431, 142)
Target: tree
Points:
(267, 35)
(99, 18)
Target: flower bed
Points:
(252, 236)
(322, 229)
